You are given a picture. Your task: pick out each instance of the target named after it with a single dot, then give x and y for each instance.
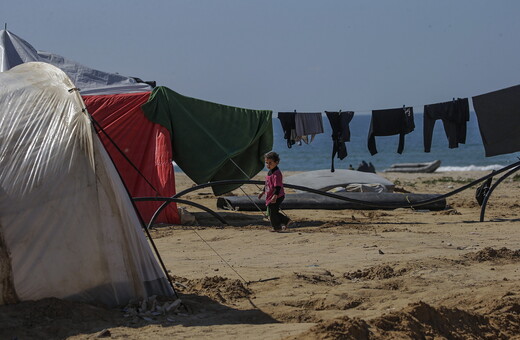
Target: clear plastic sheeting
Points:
(36, 128)
(66, 220)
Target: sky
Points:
(288, 55)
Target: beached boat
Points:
(414, 167)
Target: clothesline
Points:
(498, 116)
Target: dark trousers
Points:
(277, 218)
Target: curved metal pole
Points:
(176, 200)
(323, 193)
(493, 187)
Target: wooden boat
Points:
(414, 167)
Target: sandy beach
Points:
(336, 274)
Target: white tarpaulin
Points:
(15, 51)
(67, 225)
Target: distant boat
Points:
(414, 167)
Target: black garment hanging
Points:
(287, 119)
(339, 122)
(454, 116)
(390, 122)
(498, 115)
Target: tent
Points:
(146, 145)
(15, 51)
(67, 226)
(208, 141)
(108, 100)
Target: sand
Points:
(350, 274)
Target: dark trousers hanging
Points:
(454, 116)
(339, 122)
(287, 119)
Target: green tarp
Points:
(210, 141)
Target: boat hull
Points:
(415, 167)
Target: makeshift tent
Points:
(15, 51)
(127, 133)
(144, 143)
(67, 226)
(210, 141)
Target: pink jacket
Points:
(275, 179)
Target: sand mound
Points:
(491, 254)
(308, 309)
(341, 328)
(374, 273)
(420, 320)
(218, 288)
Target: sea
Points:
(318, 154)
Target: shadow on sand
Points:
(53, 318)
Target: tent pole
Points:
(493, 187)
(176, 200)
(369, 204)
(161, 261)
(122, 153)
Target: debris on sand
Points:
(374, 273)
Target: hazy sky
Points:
(288, 55)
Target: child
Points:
(274, 192)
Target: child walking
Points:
(274, 193)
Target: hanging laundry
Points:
(498, 115)
(339, 122)
(212, 142)
(299, 126)
(454, 116)
(390, 122)
(308, 124)
(288, 126)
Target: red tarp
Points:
(147, 145)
